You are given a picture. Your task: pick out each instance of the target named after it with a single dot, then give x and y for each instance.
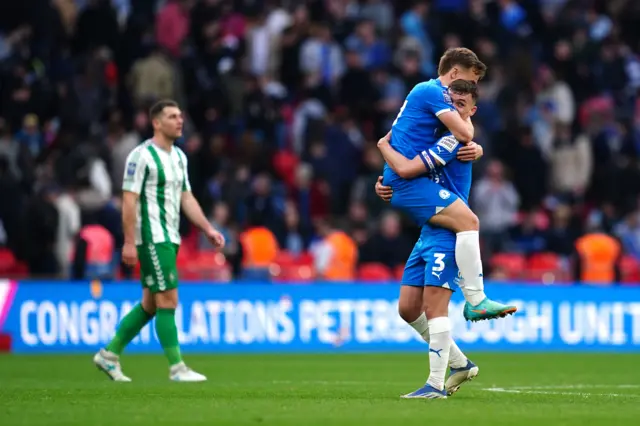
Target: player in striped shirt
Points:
(155, 188)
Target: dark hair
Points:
(462, 57)
(465, 87)
(157, 108)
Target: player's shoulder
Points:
(430, 90)
(182, 157)
(141, 149)
(422, 88)
(432, 85)
(139, 153)
(180, 152)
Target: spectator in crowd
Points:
(284, 101)
(529, 171)
(571, 163)
(562, 233)
(496, 202)
(336, 254)
(219, 219)
(373, 53)
(69, 222)
(292, 239)
(172, 25)
(152, 78)
(388, 246)
(259, 245)
(321, 59)
(413, 24)
(41, 224)
(628, 231)
(528, 237)
(598, 256)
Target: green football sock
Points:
(129, 328)
(168, 334)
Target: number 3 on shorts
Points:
(438, 260)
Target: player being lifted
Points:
(426, 115)
(431, 269)
(156, 186)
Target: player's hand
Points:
(384, 192)
(129, 254)
(470, 152)
(215, 237)
(385, 139)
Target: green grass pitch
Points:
(337, 389)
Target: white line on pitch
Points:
(580, 386)
(543, 392)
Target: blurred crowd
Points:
(284, 101)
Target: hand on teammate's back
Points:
(384, 192)
(215, 237)
(470, 152)
(129, 254)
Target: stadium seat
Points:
(511, 265)
(284, 258)
(185, 254)
(629, 270)
(374, 272)
(7, 261)
(305, 258)
(20, 270)
(548, 268)
(292, 268)
(191, 241)
(398, 272)
(205, 265)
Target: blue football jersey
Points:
(417, 126)
(453, 174)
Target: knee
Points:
(409, 312)
(148, 302)
(436, 302)
(474, 222)
(469, 222)
(149, 307)
(432, 311)
(166, 300)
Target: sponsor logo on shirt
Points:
(131, 169)
(447, 98)
(449, 143)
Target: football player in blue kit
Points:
(431, 268)
(425, 116)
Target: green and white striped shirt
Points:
(159, 178)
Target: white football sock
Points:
(457, 359)
(470, 265)
(440, 336)
(421, 325)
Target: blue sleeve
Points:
(441, 153)
(437, 100)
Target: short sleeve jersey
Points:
(417, 126)
(451, 173)
(159, 178)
